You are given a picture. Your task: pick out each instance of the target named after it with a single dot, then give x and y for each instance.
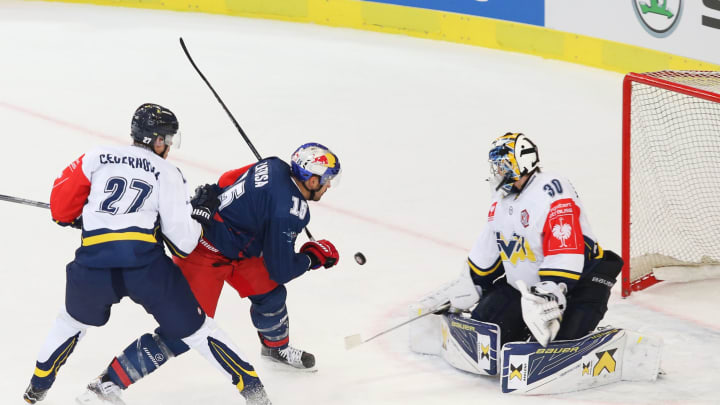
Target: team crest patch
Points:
(562, 232)
(524, 218)
(562, 228)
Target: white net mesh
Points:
(675, 173)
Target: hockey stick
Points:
(232, 118)
(356, 340)
(24, 201)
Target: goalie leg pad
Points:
(425, 333)
(470, 345)
(565, 366)
(501, 306)
(641, 361)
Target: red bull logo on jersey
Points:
(515, 250)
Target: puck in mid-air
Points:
(360, 258)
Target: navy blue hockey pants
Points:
(159, 287)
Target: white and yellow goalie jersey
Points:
(540, 234)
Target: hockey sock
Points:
(139, 359)
(45, 372)
(270, 316)
(58, 346)
(212, 343)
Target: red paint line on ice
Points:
(210, 169)
(96, 134)
(394, 228)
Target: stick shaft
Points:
(227, 111)
(440, 308)
(217, 97)
(24, 201)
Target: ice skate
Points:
(256, 396)
(33, 395)
(290, 356)
(101, 391)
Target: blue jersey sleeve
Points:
(282, 263)
(261, 213)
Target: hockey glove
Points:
(542, 307)
(554, 296)
(321, 253)
(76, 223)
(204, 203)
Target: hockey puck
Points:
(360, 258)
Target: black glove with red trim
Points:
(321, 253)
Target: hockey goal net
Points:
(671, 177)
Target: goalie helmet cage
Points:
(670, 174)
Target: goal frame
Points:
(649, 279)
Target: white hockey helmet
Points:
(314, 159)
(511, 156)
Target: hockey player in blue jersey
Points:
(250, 242)
(128, 200)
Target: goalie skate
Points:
(290, 356)
(101, 392)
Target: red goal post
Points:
(670, 177)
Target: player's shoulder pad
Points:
(277, 169)
(552, 185)
(264, 172)
(276, 162)
(181, 175)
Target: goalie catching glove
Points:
(542, 307)
(321, 253)
(204, 203)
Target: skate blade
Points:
(280, 366)
(353, 341)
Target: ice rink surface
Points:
(411, 121)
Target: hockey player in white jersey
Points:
(536, 267)
(128, 201)
(538, 236)
(532, 291)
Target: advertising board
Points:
(689, 28)
(522, 11)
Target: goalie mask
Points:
(511, 156)
(315, 159)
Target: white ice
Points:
(411, 120)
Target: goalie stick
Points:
(356, 340)
(227, 111)
(18, 200)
